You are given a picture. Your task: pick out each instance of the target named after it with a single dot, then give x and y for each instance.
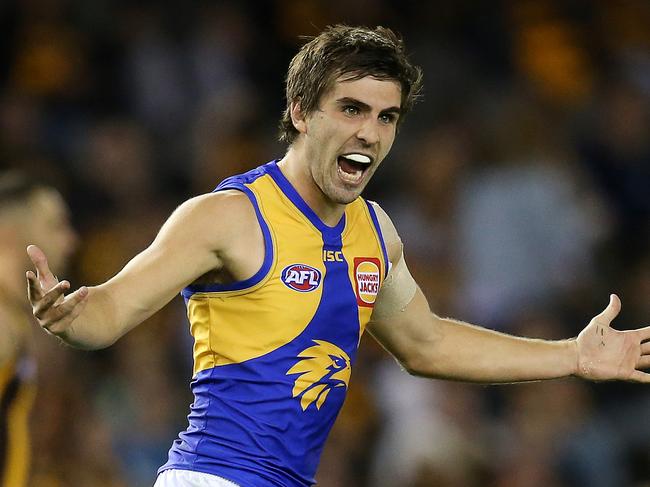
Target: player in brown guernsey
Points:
(28, 211)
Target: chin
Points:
(345, 198)
(340, 194)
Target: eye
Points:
(338, 362)
(387, 118)
(351, 110)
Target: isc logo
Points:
(332, 256)
(301, 277)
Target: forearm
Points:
(465, 352)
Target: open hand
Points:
(608, 354)
(54, 311)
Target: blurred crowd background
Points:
(520, 186)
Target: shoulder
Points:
(214, 218)
(227, 207)
(389, 232)
(217, 202)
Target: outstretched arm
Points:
(188, 245)
(431, 346)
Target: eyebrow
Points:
(366, 107)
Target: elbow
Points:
(410, 369)
(87, 344)
(425, 358)
(93, 346)
(416, 362)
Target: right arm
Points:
(198, 237)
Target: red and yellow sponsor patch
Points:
(367, 278)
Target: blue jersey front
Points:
(273, 354)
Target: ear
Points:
(297, 117)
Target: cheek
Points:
(328, 127)
(387, 140)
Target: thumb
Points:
(611, 311)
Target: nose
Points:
(368, 132)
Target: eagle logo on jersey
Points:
(323, 366)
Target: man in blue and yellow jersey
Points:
(29, 212)
(284, 267)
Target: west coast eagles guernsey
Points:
(273, 354)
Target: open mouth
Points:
(351, 167)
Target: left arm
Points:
(431, 346)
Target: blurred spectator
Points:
(616, 150)
(551, 433)
(528, 223)
(435, 428)
(30, 213)
(425, 207)
(155, 71)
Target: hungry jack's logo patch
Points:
(366, 280)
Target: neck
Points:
(296, 171)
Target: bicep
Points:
(186, 247)
(402, 321)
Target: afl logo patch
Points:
(301, 277)
(367, 280)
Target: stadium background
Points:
(521, 186)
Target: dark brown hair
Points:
(352, 53)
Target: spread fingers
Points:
(47, 300)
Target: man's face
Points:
(49, 227)
(349, 135)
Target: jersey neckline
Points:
(290, 192)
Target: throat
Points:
(326, 207)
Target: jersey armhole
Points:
(375, 221)
(264, 269)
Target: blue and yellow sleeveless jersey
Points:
(273, 354)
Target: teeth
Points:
(352, 178)
(358, 158)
